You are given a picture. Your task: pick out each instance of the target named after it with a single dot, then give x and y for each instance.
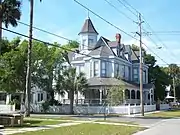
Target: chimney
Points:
(118, 38)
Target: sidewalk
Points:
(22, 130)
(166, 127)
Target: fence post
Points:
(129, 109)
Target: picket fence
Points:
(65, 109)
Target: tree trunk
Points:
(51, 91)
(0, 29)
(28, 75)
(71, 95)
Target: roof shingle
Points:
(88, 27)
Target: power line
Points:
(128, 17)
(149, 27)
(45, 31)
(117, 28)
(147, 24)
(112, 5)
(128, 8)
(159, 38)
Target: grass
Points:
(55, 118)
(87, 129)
(166, 114)
(37, 123)
(112, 121)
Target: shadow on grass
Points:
(28, 123)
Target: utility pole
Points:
(174, 88)
(141, 65)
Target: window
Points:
(144, 77)
(135, 71)
(103, 69)
(90, 41)
(96, 68)
(135, 75)
(40, 97)
(2, 97)
(133, 94)
(127, 94)
(123, 70)
(116, 74)
(83, 43)
(81, 68)
(138, 94)
(90, 69)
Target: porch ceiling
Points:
(96, 81)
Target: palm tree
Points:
(10, 13)
(28, 74)
(72, 83)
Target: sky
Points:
(65, 18)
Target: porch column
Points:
(8, 98)
(100, 95)
(150, 98)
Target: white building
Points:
(109, 60)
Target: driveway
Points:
(166, 127)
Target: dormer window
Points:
(90, 41)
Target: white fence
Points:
(7, 108)
(37, 108)
(164, 106)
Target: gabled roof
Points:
(88, 27)
(134, 57)
(102, 48)
(102, 51)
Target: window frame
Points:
(96, 70)
(103, 69)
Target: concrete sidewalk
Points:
(166, 127)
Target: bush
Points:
(45, 106)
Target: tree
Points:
(174, 72)
(116, 95)
(45, 64)
(9, 13)
(161, 80)
(12, 67)
(72, 83)
(28, 76)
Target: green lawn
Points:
(37, 123)
(87, 129)
(55, 118)
(112, 121)
(166, 114)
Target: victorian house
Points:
(105, 61)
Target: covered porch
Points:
(99, 87)
(11, 98)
